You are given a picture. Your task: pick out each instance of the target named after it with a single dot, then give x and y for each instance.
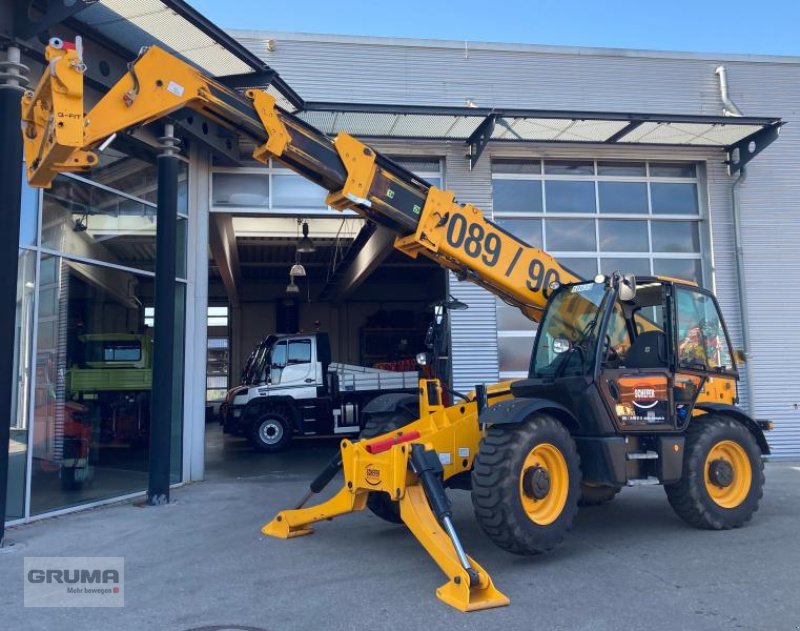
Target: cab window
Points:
(702, 344)
(299, 352)
(619, 337)
(276, 361)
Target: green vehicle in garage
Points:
(115, 375)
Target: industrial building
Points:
(608, 159)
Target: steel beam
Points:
(375, 251)
(48, 13)
(222, 243)
(742, 152)
(11, 83)
(164, 343)
(480, 138)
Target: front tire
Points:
(526, 484)
(378, 423)
(271, 432)
(723, 475)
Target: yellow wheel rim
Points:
(728, 474)
(544, 462)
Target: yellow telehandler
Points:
(632, 380)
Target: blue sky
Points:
(736, 26)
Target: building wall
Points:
(376, 70)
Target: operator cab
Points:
(627, 354)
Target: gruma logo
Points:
(74, 576)
(74, 581)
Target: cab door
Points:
(299, 364)
(636, 378)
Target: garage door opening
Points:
(314, 310)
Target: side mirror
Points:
(739, 356)
(627, 287)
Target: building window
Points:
(275, 188)
(216, 369)
(84, 345)
(596, 215)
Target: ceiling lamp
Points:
(297, 270)
(305, 244)
(292, 288)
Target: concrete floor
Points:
(202, 563)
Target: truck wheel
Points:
(272, 432)
(377, 423)
(526, 483)
(594, 495)
(723, 475)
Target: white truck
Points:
(290, 386)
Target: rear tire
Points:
(595, 495)
(375, 424)
(723, 475)
(526, 484)
(271, 432)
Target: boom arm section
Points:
(59, 137)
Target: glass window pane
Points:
(29, 213)
(620, 235)
(299, 352)
(564, 196)
(675, 236)
(514, 353)
(673, 169)
(86, 221)
(638, 267)
(181, 238)
(584, 268)
(701, 339)
(674, 199)
(418, 165)
(518, 196)
(119, 169)
(685, 269)
(183, 188)
(92, 410)
(176, 425)
(23, 368)
(623, 197)
(627, 169)
(529, 230)
(240, 190)
(294, 191)
(570, 235)
(510, 318)
(516, 166)
(569, 167)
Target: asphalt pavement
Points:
(201, 562)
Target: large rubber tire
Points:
(271, 432)
(592, 495)
(691, 497)
(497, 494)
(375, 424)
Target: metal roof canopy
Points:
(742, 138)
(176, 26)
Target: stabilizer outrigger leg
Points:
(411, 474)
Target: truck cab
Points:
(290, 386)
(626, 364)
